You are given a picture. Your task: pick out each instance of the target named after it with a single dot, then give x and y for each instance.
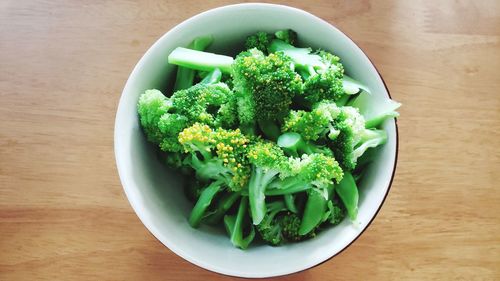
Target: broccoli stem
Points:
(208, 168)
(313, 212)
(370, 138)
(270, 129)
(199, 60)
(185, 76)
(234, 226)
(256, 192)
(203, 202)
(290, 203)
(374, 109)
(352, 87)
(294, 144)
(213, 77)
(348, 193)
(224, 205)
(288, 185)
(343, 100)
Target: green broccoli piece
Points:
(236, 224)
(270, 228)
(375, 110)
(353, 139)
(211, 104)
(151, 107)
(265, 85)
(315, 124)
(280, 226)
(268, 163)
(293, 144)
(336, 213)
(259, 40)
(286, 35)
(185, 76)
(322, 71)
(217, 154)
(290, 228)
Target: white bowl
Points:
(156, 194)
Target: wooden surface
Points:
(64, 216)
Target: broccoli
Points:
(294, 145)
(335, 213)
(287, 35)
(185, 76)
(268, 163)
(235, 226)
(353, 139)
(322, 71)
(270, 228)
(209, 102)
(315, 124)
(151, 107)
(216, 154)
(319, 170)
(272, 142)
(290, 228)
(280, 226)
(261, 40)
(375, 110)
(264, 85)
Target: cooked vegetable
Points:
(272, 142)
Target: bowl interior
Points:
(156, 193)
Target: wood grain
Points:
(63, 215)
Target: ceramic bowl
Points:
(156, 193)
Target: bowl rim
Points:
(139, 214)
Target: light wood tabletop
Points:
(64, 215)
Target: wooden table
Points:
(64, 216)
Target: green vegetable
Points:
(185, 76)
(272, 143)
(348, 193)
(235, 226)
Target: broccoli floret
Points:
(319, 170)
(353, 139)
(170, 125)
(270, 228)
(217, 154)
(315, 124)
(280, 226)
(322, 71)
(151, 107)
(268, 163)
(211, 104)
(290, 227)
(287, 35)
(336, 213)
(259, 40)
(266, 86)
